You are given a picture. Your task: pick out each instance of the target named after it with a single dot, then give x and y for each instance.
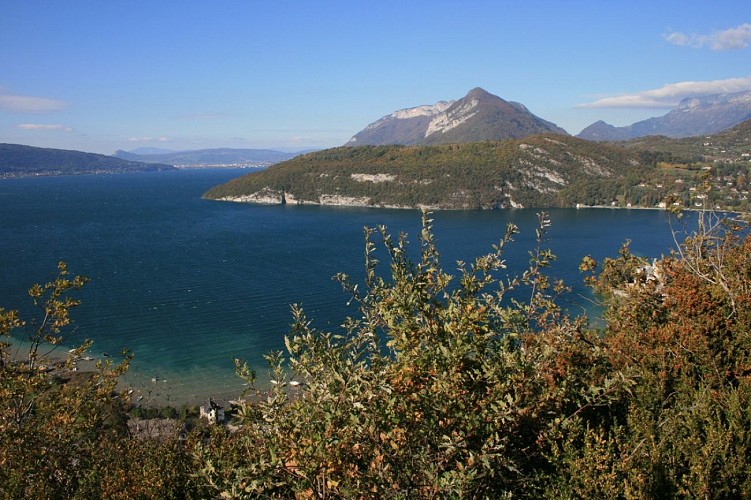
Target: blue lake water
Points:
(188, 284)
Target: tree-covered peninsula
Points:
(535, 171)
(538, 171)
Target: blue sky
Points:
(100, 76)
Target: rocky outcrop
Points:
(479, 116)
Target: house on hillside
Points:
(212, 412)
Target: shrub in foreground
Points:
(442, 387)
(473, 385)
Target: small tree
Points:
(51, 418)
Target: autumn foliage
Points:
(468, 385)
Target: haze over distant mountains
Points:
(479, 116)
(17, 160)
(209, 157)
(693, 116)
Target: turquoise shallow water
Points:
(187, 284)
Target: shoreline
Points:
(349, 202)
(144, 390)
(690, 209)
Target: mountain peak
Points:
(603, 131)
(478, 116)
(479, 93)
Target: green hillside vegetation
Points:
(442, 386)
(538, 171)
(726, 146)
(21, 161)
(700, 172)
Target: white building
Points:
(212, 412)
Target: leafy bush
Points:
(685, 340)
(50, 420)
(63, 433)
(443, 386)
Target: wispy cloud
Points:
(729, 39)
(13, 103)
(45, 127)
(668, 96)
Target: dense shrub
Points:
(684, 338)
(443, 387)
(63, 433)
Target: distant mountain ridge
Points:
(146, 150)
(17, 160)
(479, 116)
(207, 157)
(693, 116)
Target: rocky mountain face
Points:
(693, 116)
(479, 116)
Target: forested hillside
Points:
(537, 171)
(545, 170)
